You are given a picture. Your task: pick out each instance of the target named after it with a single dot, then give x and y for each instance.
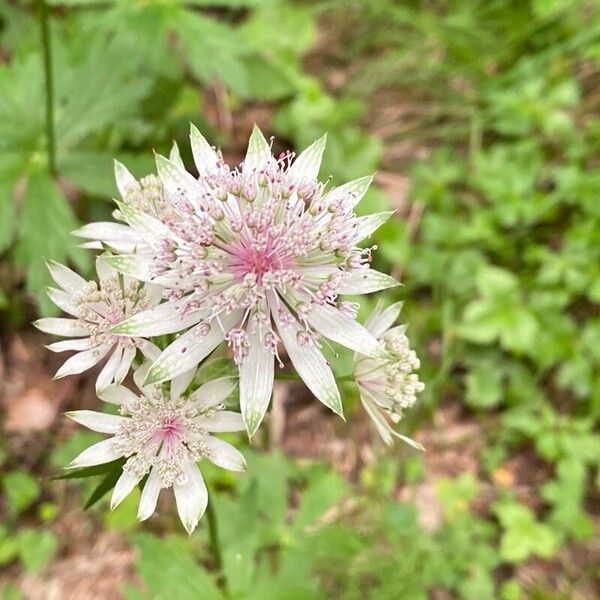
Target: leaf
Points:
(107, 484)
(36, 548)
(21, 491)
(92, 471)
(44, 233)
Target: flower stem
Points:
(213, 536)
(47, 52)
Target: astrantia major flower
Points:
(97, 307)
(387, 385)
(253, 256)
(163, 435)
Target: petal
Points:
(159, 320)
(350, 193)
(147, 226)
(82, 361)
(134, 265)
(125, 364)
(97, 421)
(222, 421)
(104, 270)
(309, 361)
(62, 300)
(107, 375)
(222, 454)
(149, 349)
(306, 166)
(189, 349)
(117, 394)
(366, 281)
(109, 232)
(149, 496)
(124, 486)
(256, 381)
(336, 326)
(204, 155)
(370, 223)
(98, 454)
(177, 181)
(258, 153)
(76, 344)
(60, 326)
(175, 156)
(380, 321)
(191, 497)
(180, 384)
(68, 280)
(126, 182)
(212, 393)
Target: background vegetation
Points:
(482, 121)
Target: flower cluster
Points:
(257, 258)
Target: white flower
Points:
(251, 256)
(387, 385)
(164, 436)
(97, 307)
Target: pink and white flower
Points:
(387, 385)
(252, 256)
(164, 435)
(97, 308)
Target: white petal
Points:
(181, 383)
(189, 349)
(63, 300)
(350, 193)
(212, 393)
(336, 326)
(80, 362)
(97, 421)
(370, 223)
(60, 326)
(107, 375)
(148, 227)
(175, 156)
(140, 374)
(223, 455)
(124, 364)
(109, 232)
(149, 349)
(380, 321)
(191, 497)
(204, 156)
(104, 270)
(135, 265)
(126, 182)
(258, 153)
(117, 394)
(124, 486)
(366, 281)
(67, 279)
(159, 320)
(256, 381)
(306, 166)
(222, 421)
(309, 361)
(149, 496)
(76, 344)
(98, 454)
(176, 180)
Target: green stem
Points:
(213, 536)
(47, 51)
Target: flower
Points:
(97, 307)
(163, 436)
(387, 385)
(253, 256)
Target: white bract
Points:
(252, 256)
(163, 435)
(97, 308)
(387, 385)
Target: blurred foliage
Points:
(501, 271)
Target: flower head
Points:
(97, 308)
(253, 256)
(387, 385)
(164, 436)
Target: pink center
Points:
(170, 431)
(249, 260)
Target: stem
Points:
(213, 536)
(47, 51)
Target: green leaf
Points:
(21, 491)
(44, 231)
(36, 548)
(92, 471)
(107, 484)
